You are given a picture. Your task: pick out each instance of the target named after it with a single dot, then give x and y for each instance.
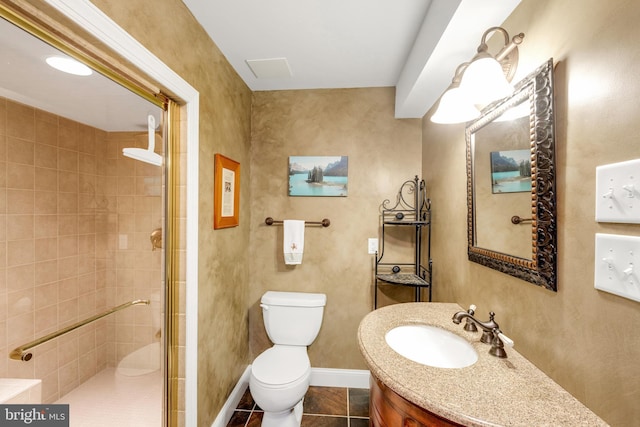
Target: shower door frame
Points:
(89, 18)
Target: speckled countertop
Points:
(491, 392)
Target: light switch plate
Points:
(618, 192)
(617, 265)
(372, 247)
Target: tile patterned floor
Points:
(323, 407)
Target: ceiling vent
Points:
(273, 68)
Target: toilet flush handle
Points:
(264, 306)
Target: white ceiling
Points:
(412, 45)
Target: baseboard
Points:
(320, 377)
(231, 404)
(328, 377)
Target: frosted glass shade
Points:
(455, 107)
(484, 81)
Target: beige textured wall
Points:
(383, 152)
(169, 31)
(584, 339)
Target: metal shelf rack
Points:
(411, 209)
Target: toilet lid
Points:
(281, 365)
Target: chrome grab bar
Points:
(21, 353)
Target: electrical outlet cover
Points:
(372, 247)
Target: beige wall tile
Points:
(20, 176)
(46, 249)
(20, 252)
(20, 121)
(20, 151)
(68, 137)
(20, 277)
(45, 225)
(47, 134)
(19, 227)
(46, 179)
(20, 302)
(3, 116)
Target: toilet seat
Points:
(280, 366)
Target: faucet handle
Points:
(469, 326)
(505, 339)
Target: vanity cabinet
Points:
(388, 409)
(411, 211)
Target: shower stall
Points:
(84, 278)
(82, 265)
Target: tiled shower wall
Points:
(75, 220)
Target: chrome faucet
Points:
(491, 333)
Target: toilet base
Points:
(288, 418)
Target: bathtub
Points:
(142, 361)
(20, 391)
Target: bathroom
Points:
(571, 335)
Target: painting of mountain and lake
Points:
(511, 171)
(318, 176)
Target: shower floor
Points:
(109, 399)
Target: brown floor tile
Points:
(323, 407)
(247, 401)
(323, 421)
(256, 419)
(326, 401)
(358, 402)
(239, 419)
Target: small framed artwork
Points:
(226, 192)
(318, 176)
(511, 171)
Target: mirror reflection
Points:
(511, 183)
(502, 185)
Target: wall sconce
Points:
(455, 105)
(480, 82)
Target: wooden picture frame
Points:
(226, 192)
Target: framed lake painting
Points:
(318, 176)
(511, 171)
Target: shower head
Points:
(146, 155)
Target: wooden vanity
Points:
(491, 392)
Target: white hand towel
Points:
(293, 241)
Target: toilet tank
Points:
(292, 318)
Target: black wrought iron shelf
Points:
(411, 209)
(411, 223)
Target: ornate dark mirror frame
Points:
(541, 268)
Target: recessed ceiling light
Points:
(69, 65)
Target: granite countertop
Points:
(491, 392)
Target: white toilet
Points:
(280, 375)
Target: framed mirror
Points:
(511, 189)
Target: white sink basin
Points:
(432, 346)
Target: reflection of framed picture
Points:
(226, 192)
(511, 171)
(318, 176)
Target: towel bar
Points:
(325, 222)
